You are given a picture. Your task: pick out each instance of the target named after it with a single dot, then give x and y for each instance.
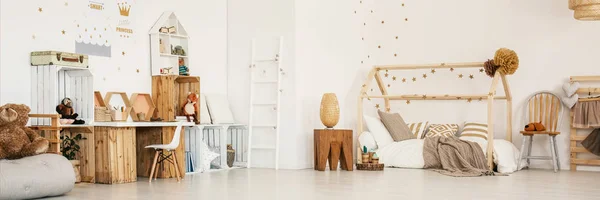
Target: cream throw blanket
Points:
(454, 157)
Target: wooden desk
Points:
(333, 145)
(114, 151)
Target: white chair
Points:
(170, 148)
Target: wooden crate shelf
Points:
(115, 154)
(170, 92)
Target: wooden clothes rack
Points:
(490, 96)
(574, 138)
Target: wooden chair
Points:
(544, 107)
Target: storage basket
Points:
(102, 114)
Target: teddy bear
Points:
(16, 140)
(190, 107)
(535, 126)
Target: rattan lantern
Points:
(587, 10)
(330, 110)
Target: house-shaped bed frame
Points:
(490, 96)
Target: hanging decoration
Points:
(490, 68)
(507, 60)
(585, 10)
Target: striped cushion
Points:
(477, 130)
(442, 130)
(418, 129)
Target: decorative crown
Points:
(124, 9)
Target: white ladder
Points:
(266, 82)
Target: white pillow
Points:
(366, 139)
(204, 114)
(506, 156)
(380, 133)
(218, 106)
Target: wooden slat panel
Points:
(146, 136)
(578, 137)
(46, 98)
(102, 154)
(584, 78)
(573, 143)
(579, 150)
(120, 158)
(40, 95)
(87, 157)
(585, 162)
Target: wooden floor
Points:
(265, 184)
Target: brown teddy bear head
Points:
(535, 126)
(17, 114)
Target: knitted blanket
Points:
(454, 157)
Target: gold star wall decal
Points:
(361, 62)
(395, 55)
(371, 89)
(63, 32)
(460, 75)
(471, 76)
(33, 36)
(382, 22)
(364, 85)
(403, 4)
(137, 70)
(389, 85)
(424, 75)
(414, 79)
(376, 105)
(405, 19)
(407, 101)
(451, 69)
(364, 23)
(368, 56)
(362, 38)
(123, 53)
(480, 98)
(386, 75)
(481, 70)
(396, 37)
(40, 9)
(66, 3)
(433, 71)
(424, 96)
(90, 36)
(379, 47)
(458, 97)
(387, 70)
(404, 80)
(393, 78)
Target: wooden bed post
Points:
(490, 118)
(383, 90)
(361, 96)
(508, 108)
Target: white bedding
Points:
(409, 154)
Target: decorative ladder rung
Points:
(578, 137)
(585, 162)
(579, 150)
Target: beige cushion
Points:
(396, 126)
(442, 130)
(418, 129)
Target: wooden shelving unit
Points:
(576, 139)
(170, 94)
(161, 44)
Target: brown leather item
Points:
(535, 126)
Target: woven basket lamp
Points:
(330, 110)
(587, 10)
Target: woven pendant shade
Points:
(330, 110)
(586, 10)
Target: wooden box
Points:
(115, 154)
(59, 58)
(51, 83)
(170, 93)
(158, 135)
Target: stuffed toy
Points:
(16, 140)
(67, 115)
(190, 107)
(535, 126)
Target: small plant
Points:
(69, 146)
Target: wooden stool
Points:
(333, 145)
(544, 107)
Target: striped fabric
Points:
(442, 130)
(418, 129)
(478, 130)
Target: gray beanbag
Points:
(36, 176)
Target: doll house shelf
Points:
(162, 44)
(141, 103)
(51, 83)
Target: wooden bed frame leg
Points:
(490, 118)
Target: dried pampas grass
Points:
(507, 60)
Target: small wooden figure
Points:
(190, 107)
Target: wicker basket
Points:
(370, 167)
(330, 110)
(230, 155)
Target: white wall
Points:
(550, 43)
(264, 20)
(204, 20)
